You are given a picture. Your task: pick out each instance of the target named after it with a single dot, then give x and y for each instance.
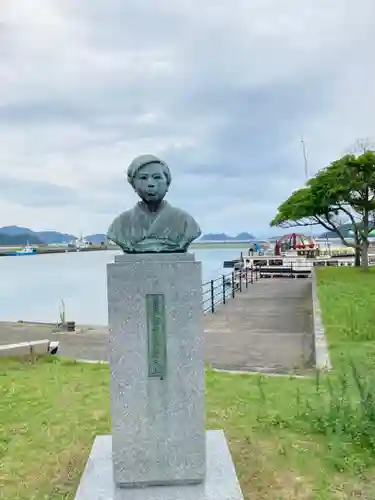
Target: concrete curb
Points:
(322, 361)
(32, 348)
(263, 373)
(219, 370)
(92, 361)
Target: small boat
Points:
(26, 250)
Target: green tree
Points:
(343, 192)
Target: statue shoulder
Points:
(190, 223)
(118, 223)
(181, 214)
(123, 216)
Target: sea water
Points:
(32, 287)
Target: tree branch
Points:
(298, 223)
(330, 226)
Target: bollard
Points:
(223, 287)
(233, 285)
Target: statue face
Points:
(150, 183)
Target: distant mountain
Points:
(214, 237)
(344, 229)
(19, 239)
(8, 233)
(96, 238)
(225, 237)
(42, 237)
(24, 234)
(15, 230)
(49, 237)
(244, 237)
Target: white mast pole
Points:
(305, 159)
(306, 167)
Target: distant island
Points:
(225, 237)
(344, 230)
(16, 235)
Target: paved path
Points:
(89, 343)
(266, 327)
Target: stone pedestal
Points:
(159, 448)
(157, 398)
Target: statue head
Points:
(150, 178)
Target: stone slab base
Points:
(221, 481)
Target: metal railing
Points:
(291, 271)
(220, 290)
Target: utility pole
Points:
(306, 166)
(305, 159)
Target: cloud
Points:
(222, 92)
(35, 193)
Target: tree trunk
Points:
(364, 256)
(365, 242)
(357, 249)
(357, 257)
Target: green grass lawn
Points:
(51, 411)
(287, 435)
(347, 297)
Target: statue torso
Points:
(169, 229)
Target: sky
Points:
(222, 91)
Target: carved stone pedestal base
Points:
(220, 483)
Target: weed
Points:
(62, 312)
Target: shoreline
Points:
(6, 251)
(32, 328)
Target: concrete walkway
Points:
(89, 342)
(265, 328)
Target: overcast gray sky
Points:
(220, 90)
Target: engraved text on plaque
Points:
(157, 348)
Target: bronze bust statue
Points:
(152, 225)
